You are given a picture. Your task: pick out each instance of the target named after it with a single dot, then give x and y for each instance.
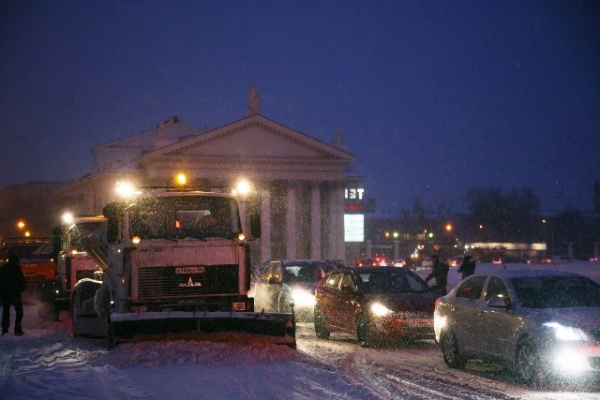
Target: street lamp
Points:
(242, 188)
(181, 179)
(548, 224)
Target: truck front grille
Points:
(166, 282)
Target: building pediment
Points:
(254, 137)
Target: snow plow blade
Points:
(274, 328)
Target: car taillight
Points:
(436, 303)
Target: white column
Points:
(290, 219)
(332, 222)
(265, 226)
(340, 245)
(315, 220)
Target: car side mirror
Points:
(498, 302)
(274, 280)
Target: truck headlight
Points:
(566, 333)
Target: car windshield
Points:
(302, 273)
(396, 281)
(557, 292)
(80, 230)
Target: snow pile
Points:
(210, 354)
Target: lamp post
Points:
(548, 224)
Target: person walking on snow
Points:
(467, 267)
(12, 283)
(440, 273)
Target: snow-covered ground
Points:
(47, 363)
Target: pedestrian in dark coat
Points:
(467, 267)
(12, 283)
(440, 273)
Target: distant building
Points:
(299, 183)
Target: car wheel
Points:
(527, 366)
(450, 350)
(320, 329)
(284, 306)
(362, 331)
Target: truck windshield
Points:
(79, 230)
(185, 217)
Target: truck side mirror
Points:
(110, 211)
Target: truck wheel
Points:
(45, 300)
(112, 340)
(47, 311)
(75, 303)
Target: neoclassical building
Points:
(298, 183)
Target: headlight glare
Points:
(380, 310)
(303, 298)
(566, 333)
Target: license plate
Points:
(417, 322)
(189, 270)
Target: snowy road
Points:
(417, 371)
(47, 363)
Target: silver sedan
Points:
(540, 324)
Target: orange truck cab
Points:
(36, 255)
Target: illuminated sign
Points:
(354, 193)
(354, 207)
(354, 227)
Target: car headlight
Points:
(379, 310)
(566, 333)
(303, 298)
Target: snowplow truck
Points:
(176, 264)
(36, 256)
(73, 265)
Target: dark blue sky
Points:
(434, 97)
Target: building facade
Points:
(297, 182)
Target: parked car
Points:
(255, 273)
(400, 262)
(375, 304)
(427, 262)
(284, 281)
(538, 323)
(372, 262)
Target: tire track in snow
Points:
(39, 371)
